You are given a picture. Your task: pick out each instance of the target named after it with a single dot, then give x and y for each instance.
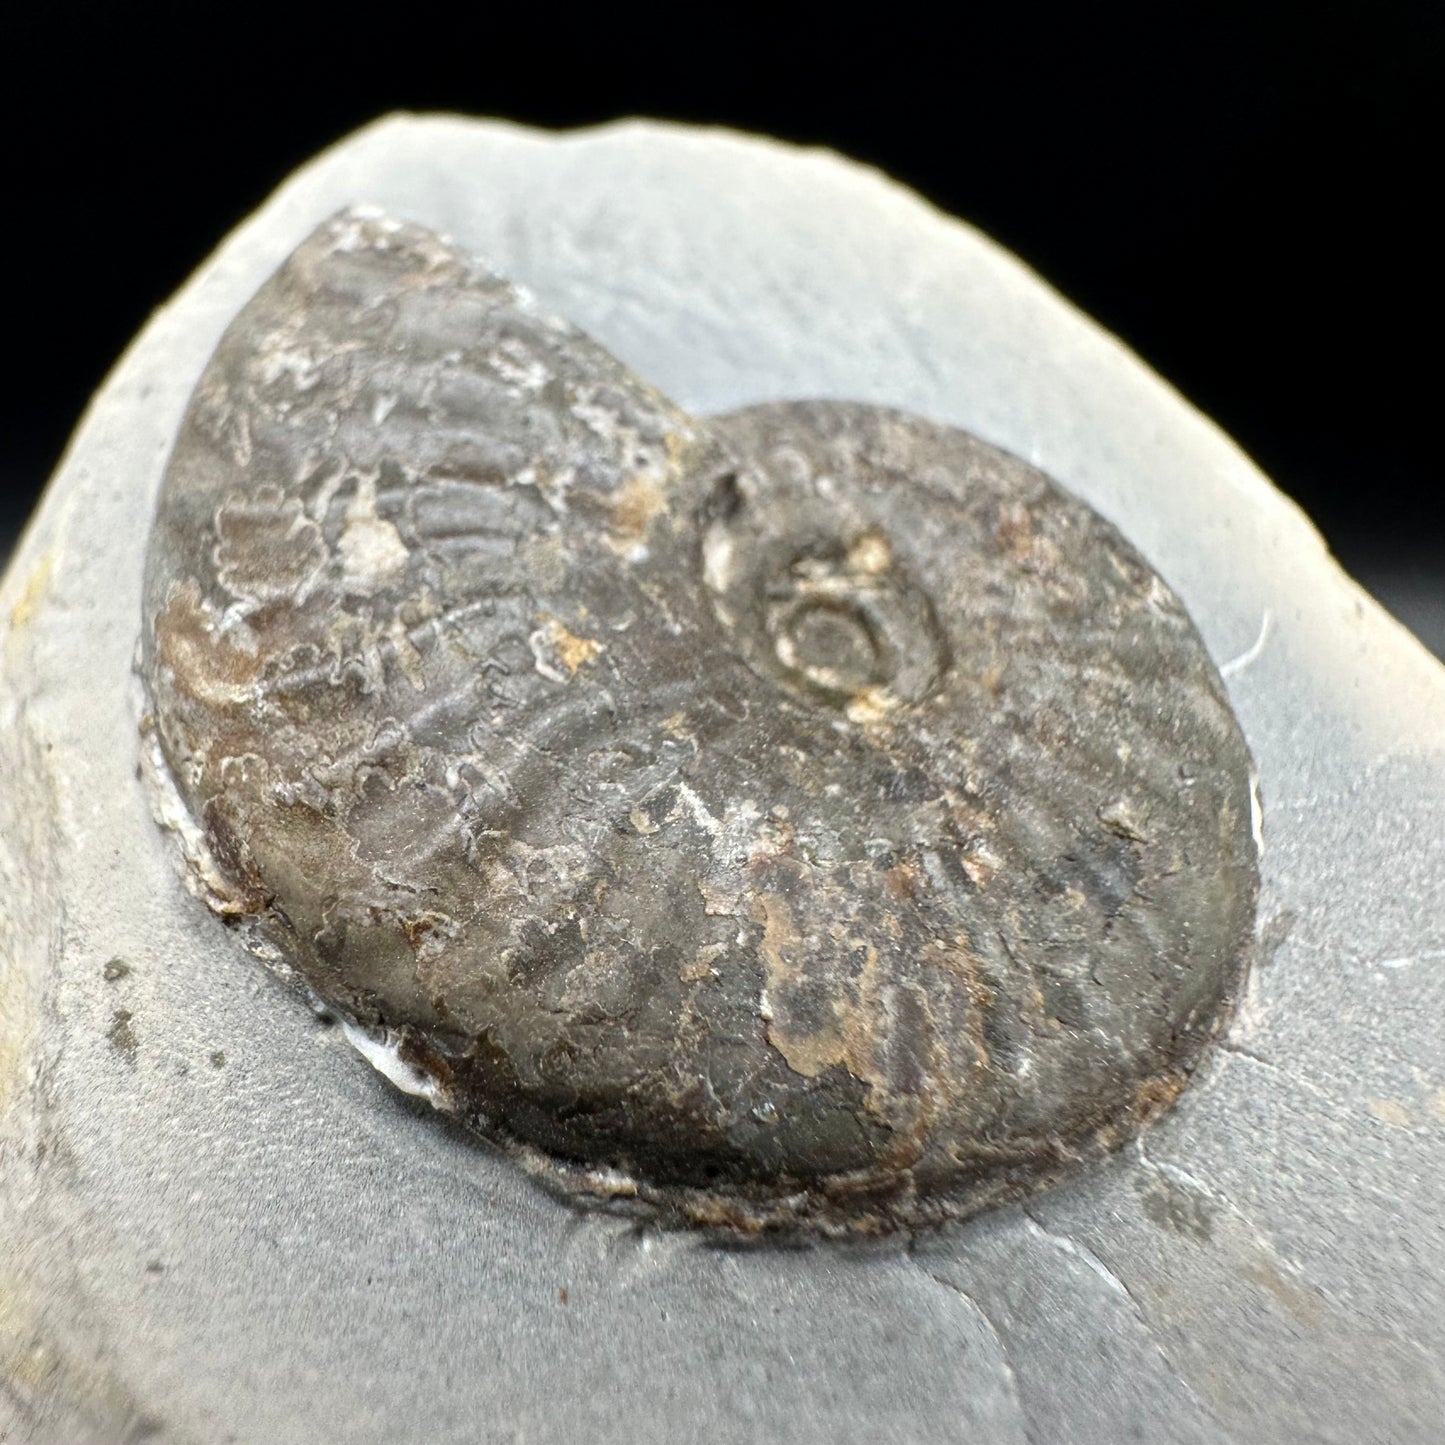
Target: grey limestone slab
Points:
(218, 1223)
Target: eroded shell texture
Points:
(808, 816)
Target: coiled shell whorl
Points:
(808, 816)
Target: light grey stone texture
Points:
(217, 1223)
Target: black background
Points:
(1243, 191)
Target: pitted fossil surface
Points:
(807, 817)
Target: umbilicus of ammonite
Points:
(807, 817)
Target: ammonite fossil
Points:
(808, 816)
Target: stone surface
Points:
(221, 1224)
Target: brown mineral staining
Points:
(810, 817)
(559, 651)
(1302, 1301)
(633, 506)
(1391, 1112)
(37, 583)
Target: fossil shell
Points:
(808, 816)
